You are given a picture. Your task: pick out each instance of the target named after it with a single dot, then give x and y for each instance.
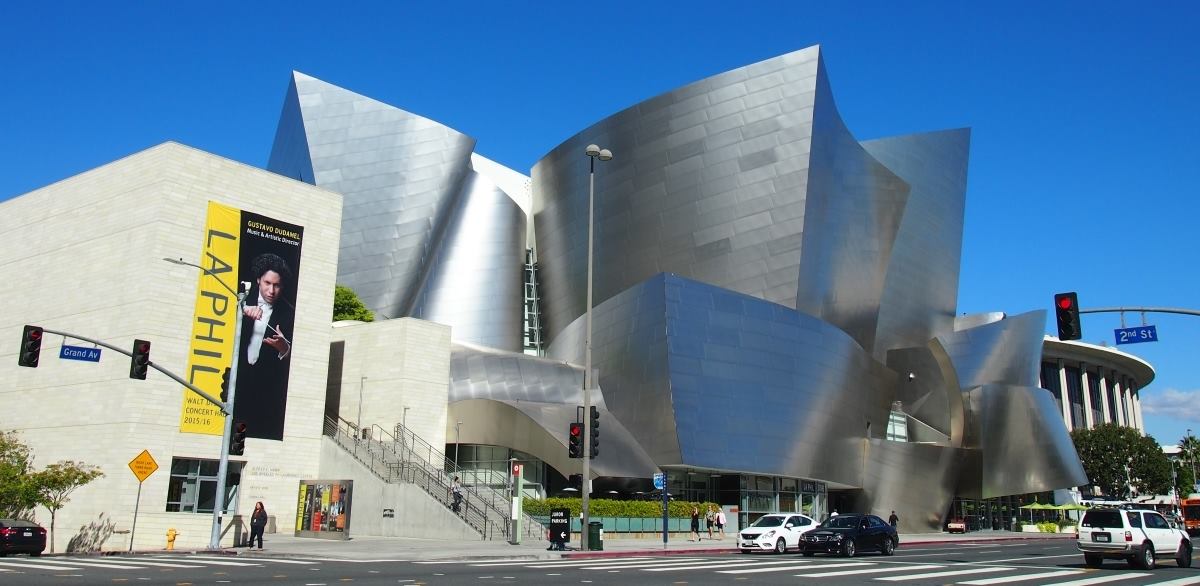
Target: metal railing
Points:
(406, 458)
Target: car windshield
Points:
(841, 522)
(768, 521)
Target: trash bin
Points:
(595, 536)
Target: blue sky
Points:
(1084, 115)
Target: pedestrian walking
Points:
(710, 521)
(695, 523)
(456, 495)
(893, 520)
(720, 524)
(258, 522)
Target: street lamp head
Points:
(593, 150)
(174, 261)
(605, 155)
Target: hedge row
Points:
(615, 508)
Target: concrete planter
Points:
(1027, 528)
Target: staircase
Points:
(402, 457)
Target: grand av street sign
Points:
(79, 353)
(1136, 335)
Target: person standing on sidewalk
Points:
(258, 522)
(695, 523)
(721, 524)
(893, 520)
(710, 519)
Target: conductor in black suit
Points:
(265, 357)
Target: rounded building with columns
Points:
(1093, 384)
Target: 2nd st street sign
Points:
(1136, 335)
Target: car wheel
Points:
(1183, 556)
(1093, 560)
(781, 546)
(848, 548)
(1146, 559)
(889, 546)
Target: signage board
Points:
(82, 353)
(1136, 335)
(659, 480)
(560, 526)
(143, 465)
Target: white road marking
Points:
(790, 568)
(1007, 579)
(36, 566)
(945, 573)
(720, 564)
(1099, 579)
(870, 571)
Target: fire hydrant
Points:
(171, 534)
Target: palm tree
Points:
(1189, 452)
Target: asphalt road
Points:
(1024, 563)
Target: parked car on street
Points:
(776, 532)
(1137, 536)
(849, 534)
(956, 526)
(21, 536)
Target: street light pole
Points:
(457, 440)
(1192, 453)
(214, 541)
(362, 381)
(593, 152)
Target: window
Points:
(1135, 519)
(193, 486)
(1156, 521)
(1050, 382)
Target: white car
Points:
(776, 532)
(1137, 536)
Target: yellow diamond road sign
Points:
(143, 465)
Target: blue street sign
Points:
(1135, 335)
(658, 481)
(79, 353)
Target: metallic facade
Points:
(770, 291)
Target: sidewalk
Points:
(366, 548)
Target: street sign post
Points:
(659, 481)
(1136, 335)
(82, 353)
(142, 466)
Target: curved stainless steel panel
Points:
(1008, 351)
(707, 181)
(423, 235)
(474, 279)
(920, 292)
(398, 174)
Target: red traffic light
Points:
(576, 429)
(240, 427)
(35, 334)
(1065, 302)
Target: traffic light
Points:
(595, 415)
(140, 363)
(31, 347)
(1066, 308)
(237, 444)
(225, 386)
(575, 441)
(575, 481)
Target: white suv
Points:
(1137, 536)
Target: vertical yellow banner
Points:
(210, 349)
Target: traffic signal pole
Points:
(225, 408)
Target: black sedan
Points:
(20, 536)
(849, 534)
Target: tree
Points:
(1189, 452)
(18, 495)
(1120, 460)
(57, 482)
(347, 305)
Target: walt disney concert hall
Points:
(774, 299)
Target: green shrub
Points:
(1019, 526)
(1048, 527)
(614, 508)
(1067, 523)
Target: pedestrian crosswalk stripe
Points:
(870, 570)
(608, 563)
(544, 563)
(719, 564)
(945, 573)
(249, 559)
(1007, 579)
(96, 564)
(1179, 582)
(1100, 579)
(790, 568)
(36, 566)
(142, 562)
(212, 562)
(643, 564)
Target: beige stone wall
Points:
(406, 363)
(84, 255)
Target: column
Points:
(1087, 396)
(1062, 393)
(1104, 407)
(1136, 400)
(1119, 391)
